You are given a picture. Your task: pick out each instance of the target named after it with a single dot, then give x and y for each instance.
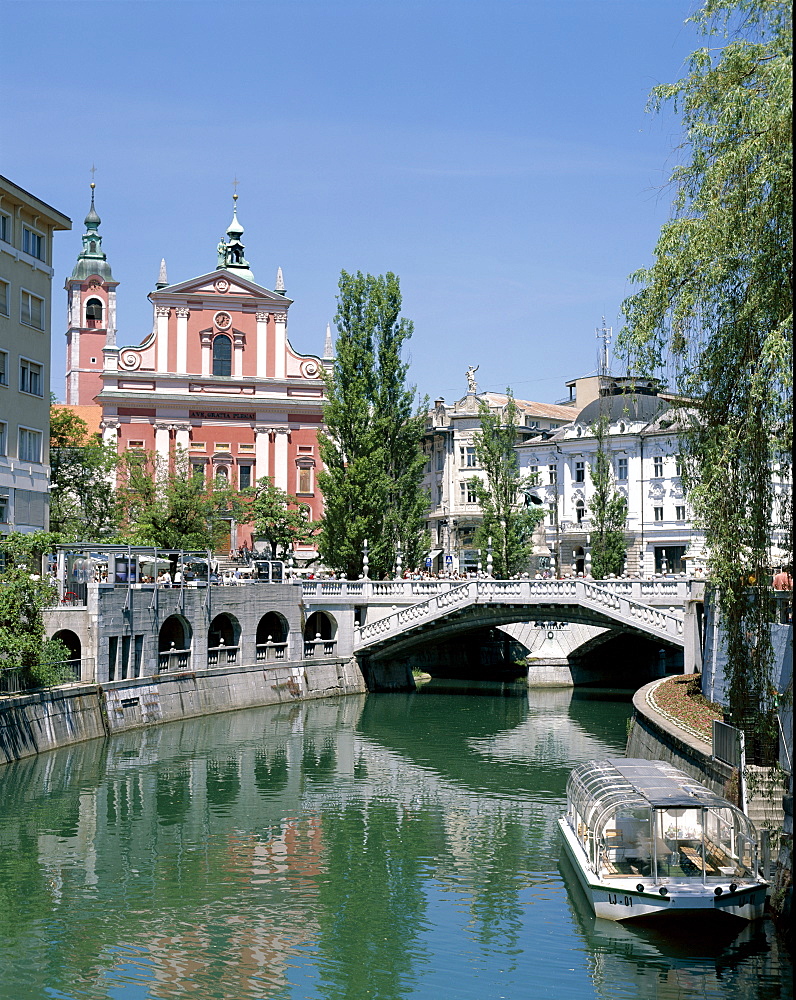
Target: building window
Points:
(198, 445)
(439, 496)
(552, 474)
(93, 313)
(529, 422)
(5, 228)
(221, 446)
(621, 469)
(29, 445)
(551, 514)
(657, 513)
(678, 465)
(580, 511)
(32, 243)
(679, 513)
(3, 432)
(31, 311)
(248, 447)
(244, 477)
(468, 459)
(533, 474)
(467, 493)
(580, 472)
(3, 367)
(198, 470)
(30, 380)
(305, 481)
(135, 445)
(657, 467)
(222, 355)
(5, 298)
(3, 509)
(440, 460)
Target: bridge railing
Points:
(598, 597)
(410, 591)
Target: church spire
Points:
(230, 251)
(92, 259)
(328, 347)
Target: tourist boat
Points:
(646, 840)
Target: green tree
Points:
(169, 506)
(279, 519)
(716, 309)
(505, 518)
(82, 480)
(373, 462)
(608, 512)
(23, 594)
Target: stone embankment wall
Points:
(45, 720)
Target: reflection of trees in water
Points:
(374, 856)
(172, 794)
(316, 763)
(270, 770)
(222, 781)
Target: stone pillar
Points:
(162, 315)
(261, 441)
(110, 431)
(162, 439)
(238, 343)
(693, 608)
(280, 457)
(111, 323)
(280, 344)
(182, 436)
(206, 340)
(182, 338)
(262, 344)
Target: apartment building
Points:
(27, 225)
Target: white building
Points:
(642, 443)
(452, 463)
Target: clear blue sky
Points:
(496, 155)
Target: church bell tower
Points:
(91, 317)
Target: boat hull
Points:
(619, 899)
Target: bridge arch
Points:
(72, 642)
(224, 630)
(320, 623)
(272, 627)
(176, 633)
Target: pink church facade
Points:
(216, 378)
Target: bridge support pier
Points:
(386, 675)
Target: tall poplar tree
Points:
(608, 512)
(505, 518)
(716, 309)
(373, 463)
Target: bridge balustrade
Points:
(174, 659)
(271, 651)
(222, 656)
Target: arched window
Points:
(94, 313)
(580, 511)
(222, 355)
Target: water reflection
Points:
(390, 847)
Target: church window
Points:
(92, 246)
(222, 355)
(305, 481)
(93, 313)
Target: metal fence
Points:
(15, 680)
(726, 743)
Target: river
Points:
(384, 847)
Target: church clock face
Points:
(222, 285)
(223, 320)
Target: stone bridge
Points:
(480, 603)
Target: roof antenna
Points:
(604, 334)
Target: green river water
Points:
(388, 846)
